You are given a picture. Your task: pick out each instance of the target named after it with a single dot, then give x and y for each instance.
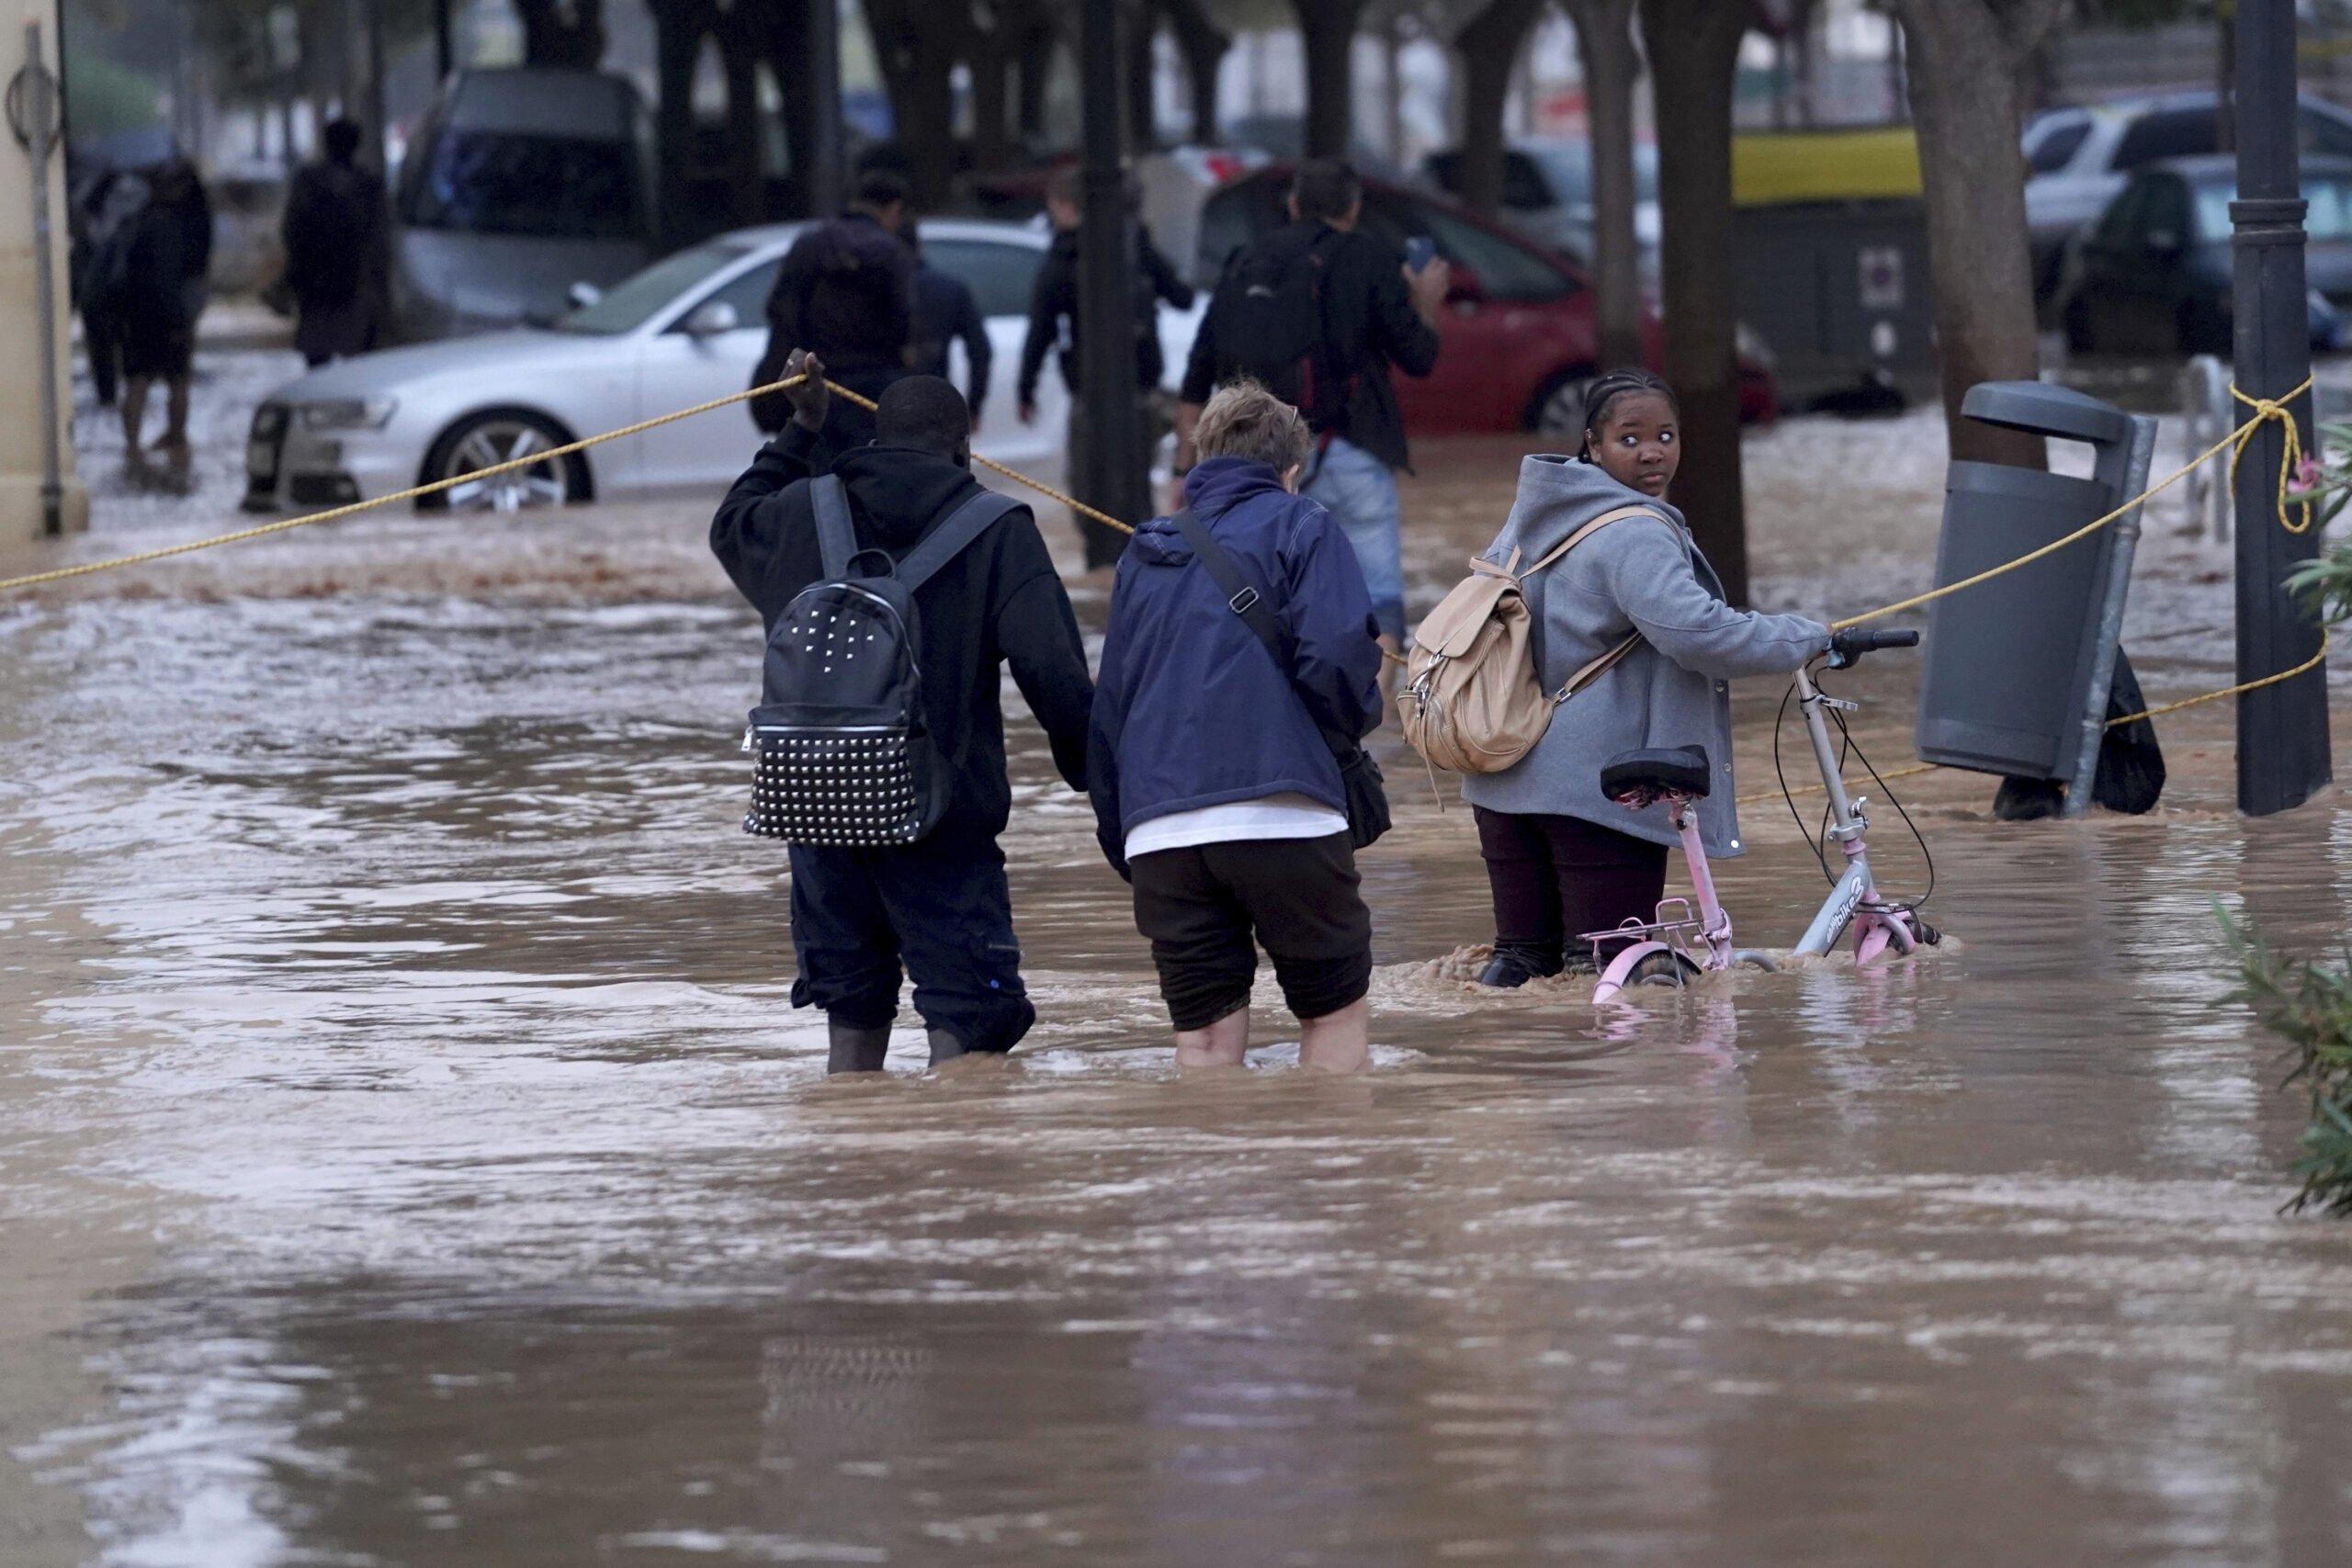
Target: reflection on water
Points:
(438, 1001)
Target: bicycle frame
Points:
(1854, 901)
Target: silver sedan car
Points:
(686, 330)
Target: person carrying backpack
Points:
(1633, 598)
(893, 823)
(1317, 311)
(1218, 788)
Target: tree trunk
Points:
(1693, 47)
(1612, 65)
(1327, 32)
(567, 34)
(1490, 45)
(1035, 53)
(1204, 44)
(739, 60)
(1966, 60)
(678, 26)
(1139, 31)
(916, 46)
(991, 59)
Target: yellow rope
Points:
(2265, 409)
(2306, 668)
(2290, 454)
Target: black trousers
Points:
(1554, 878)
(1301, 898)
(942, 907)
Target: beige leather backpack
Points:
(1473, 702)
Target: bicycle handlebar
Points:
(1846, 646)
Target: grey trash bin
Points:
(2008, 661)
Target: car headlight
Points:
(346, 413)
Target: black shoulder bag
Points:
(1360, 781)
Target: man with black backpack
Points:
(1317, 312)
(893, 588)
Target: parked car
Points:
(2153, 275)
(2078, 159)
(1517, 332)
(519, 186)
(685, 331)
(1547, 192)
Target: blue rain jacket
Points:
(1190, 709)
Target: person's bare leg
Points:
(1338, 1042)
(1222, 1044)
(134, 412)
(174, 436)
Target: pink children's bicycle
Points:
(1683, 941)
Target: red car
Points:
(1518, 330)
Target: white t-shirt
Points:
(1290, 816)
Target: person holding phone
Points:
(1374, 308)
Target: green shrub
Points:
(2310, 1007)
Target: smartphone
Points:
(1419, 250)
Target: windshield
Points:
(500, 181)
(636, 299)
(2330, 216)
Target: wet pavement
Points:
(408, 1155)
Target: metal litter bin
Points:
(2017, 668)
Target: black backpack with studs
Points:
(843, 757)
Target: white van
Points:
(519, 185)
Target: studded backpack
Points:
(843, 757)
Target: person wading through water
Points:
(1562, 859)
(939, 904)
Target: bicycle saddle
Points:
(1638, 778)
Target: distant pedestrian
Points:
(1054, 324)
(940, 904)
(169, 250)
(336, 235)
(1561, 858)
(946, 314)
(846, 294)
(1215, 792)
(1318, 310)
(102, 224)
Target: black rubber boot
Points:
(1513, 967)
(855, 1050)
(945, 1047)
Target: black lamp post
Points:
(2282, 729)
(1109, 478)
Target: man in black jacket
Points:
(1376, 312)
(940, 904)
(1054, 323)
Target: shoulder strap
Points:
(1588, 531)
(1240, 597)
(944, 543)
(836, 536)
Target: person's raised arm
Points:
(747, 530)
(1648, 574)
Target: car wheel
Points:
(1560, 410)
(488, 439)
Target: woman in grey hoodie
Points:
(1562, 858)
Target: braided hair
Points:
(1611, 385)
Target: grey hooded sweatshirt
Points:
(1672, 690)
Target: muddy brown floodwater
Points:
(408, 1155)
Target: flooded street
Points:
(408, 1153)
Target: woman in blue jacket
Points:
(1215, 793)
